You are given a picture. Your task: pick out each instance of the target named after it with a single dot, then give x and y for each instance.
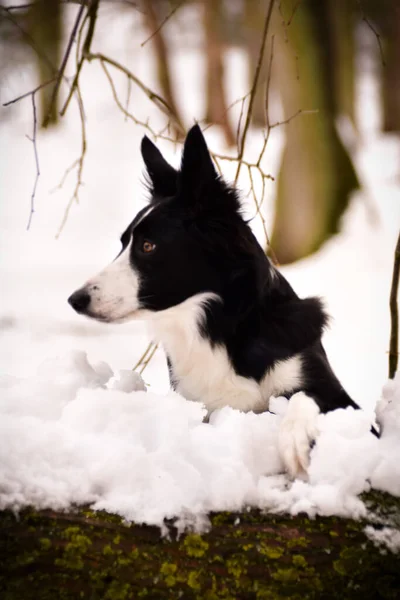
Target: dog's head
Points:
(190, 239)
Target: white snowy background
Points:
(72, 430)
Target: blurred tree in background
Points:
(313, 68)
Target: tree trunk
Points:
(83, 554)
(316, 176)
(391, 74)
(46, 30)
(341, 15)
(216, 107)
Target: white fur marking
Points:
(145, 214)
(284, 377)
(297, 430)
(202, 373)
(114, 291)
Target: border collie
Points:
(233, 329)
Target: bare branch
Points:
(128, 115)
(128, 97)
(63, 65)
(374, 31)
(167, 18)
(153, 96)
(33, 140)
(254, 88)
(91, 15)
(146, 357)
(39, 87)
(80, 2)
(19, 6)
(394, 314)
(79, 163)
(295, 7)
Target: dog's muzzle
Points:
(80, 301)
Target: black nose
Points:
(79, 301)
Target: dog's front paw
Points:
(297, 432)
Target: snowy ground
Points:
(66, 438)
(76, 434)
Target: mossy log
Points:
(252, 555)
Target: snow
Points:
(387, 537)
(78, 434)
(79, 430)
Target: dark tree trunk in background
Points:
(341, 17)
(391, 73)
(66, 556)
(384, 19)
(216, 105)
(152, 21)
(45, 18)
(316, 175)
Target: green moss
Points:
(299, 561)
(247, 547)
(168, 572)
(271, 552)
(339, 567)
(134, 554)
(221, 518)
(235, 567)
(74, 550)
(298, 541)
(195, 546)
(193, 581)
(45, 544)
(285, 575)
(118, 591)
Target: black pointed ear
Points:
(163, 177)
(197, 168)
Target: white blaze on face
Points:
(114, 291)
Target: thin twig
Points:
(374, 31)
(296, 6)
(156, 135)
(91, 15)
(153, 96)
(254, 89)
(394, 314)
(33, 140)
(143, 357)
(240, 121)
(128, 97)
(79, 162)
(39, 87)
(61, 70)
(148, 359)
(167, 18)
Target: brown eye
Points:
(148, 247)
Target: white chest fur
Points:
(205, 374)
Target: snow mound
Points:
(77, 433)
